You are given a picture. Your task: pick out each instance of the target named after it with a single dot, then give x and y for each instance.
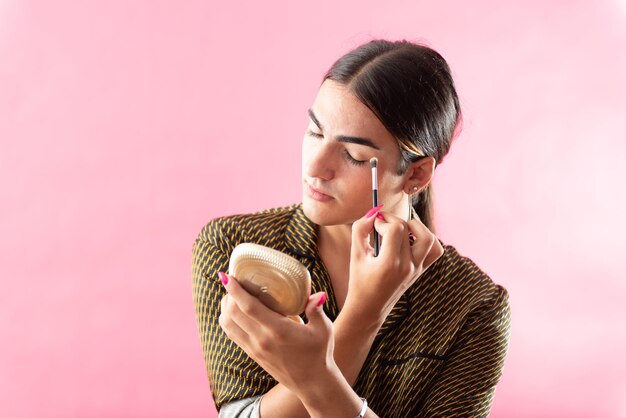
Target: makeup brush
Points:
(374, 165)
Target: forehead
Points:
(340, 112)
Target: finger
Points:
(232, 313)
(361, 230)
(420, 231)
(248, 304)
(394, 233)
(315, 308)
(231, 329)
(417, 225)
(405, 245)
(426, 249)
(423, 240)
(435, 254)
(241, 339)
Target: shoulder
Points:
(456, 283)
(461, 272)
(264, 227)
(454, 296)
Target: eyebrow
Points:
(343, 138)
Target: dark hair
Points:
(410, 89)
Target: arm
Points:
(375, 285)
(352, 344)
(467, 383)
(232, 374)
(297, 355)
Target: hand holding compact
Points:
(295, 354)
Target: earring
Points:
(412, 190)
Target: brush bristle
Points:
(374, 162)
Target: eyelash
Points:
(347, 155)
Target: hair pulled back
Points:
(410, 89)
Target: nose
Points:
(318, 161)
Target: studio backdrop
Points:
(125, 126)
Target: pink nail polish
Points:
(322, 300)
(380, 216)
(373, 210)
(223, 278)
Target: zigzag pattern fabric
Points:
(440, 351)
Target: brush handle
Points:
(376, 237)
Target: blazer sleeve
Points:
(232, 373)
(473, 367)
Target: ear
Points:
(419, 175)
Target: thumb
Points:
(315, 308)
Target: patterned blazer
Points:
(440, 351)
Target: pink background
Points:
(126, 125)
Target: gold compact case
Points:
(280, 281)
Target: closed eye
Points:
(353, 160)
(314, 134)
(349, 158)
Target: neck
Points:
(337, 237)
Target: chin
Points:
(318, 213)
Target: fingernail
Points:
(373, 210)
(322, 300)
(223, 278)
(380, 216)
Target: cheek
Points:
(359, 187)
(390, 190)
(306, 153)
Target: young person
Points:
(418, 330)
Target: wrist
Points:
(318, 378)
(331, 395)
(360, 317)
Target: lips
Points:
(315, 193)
